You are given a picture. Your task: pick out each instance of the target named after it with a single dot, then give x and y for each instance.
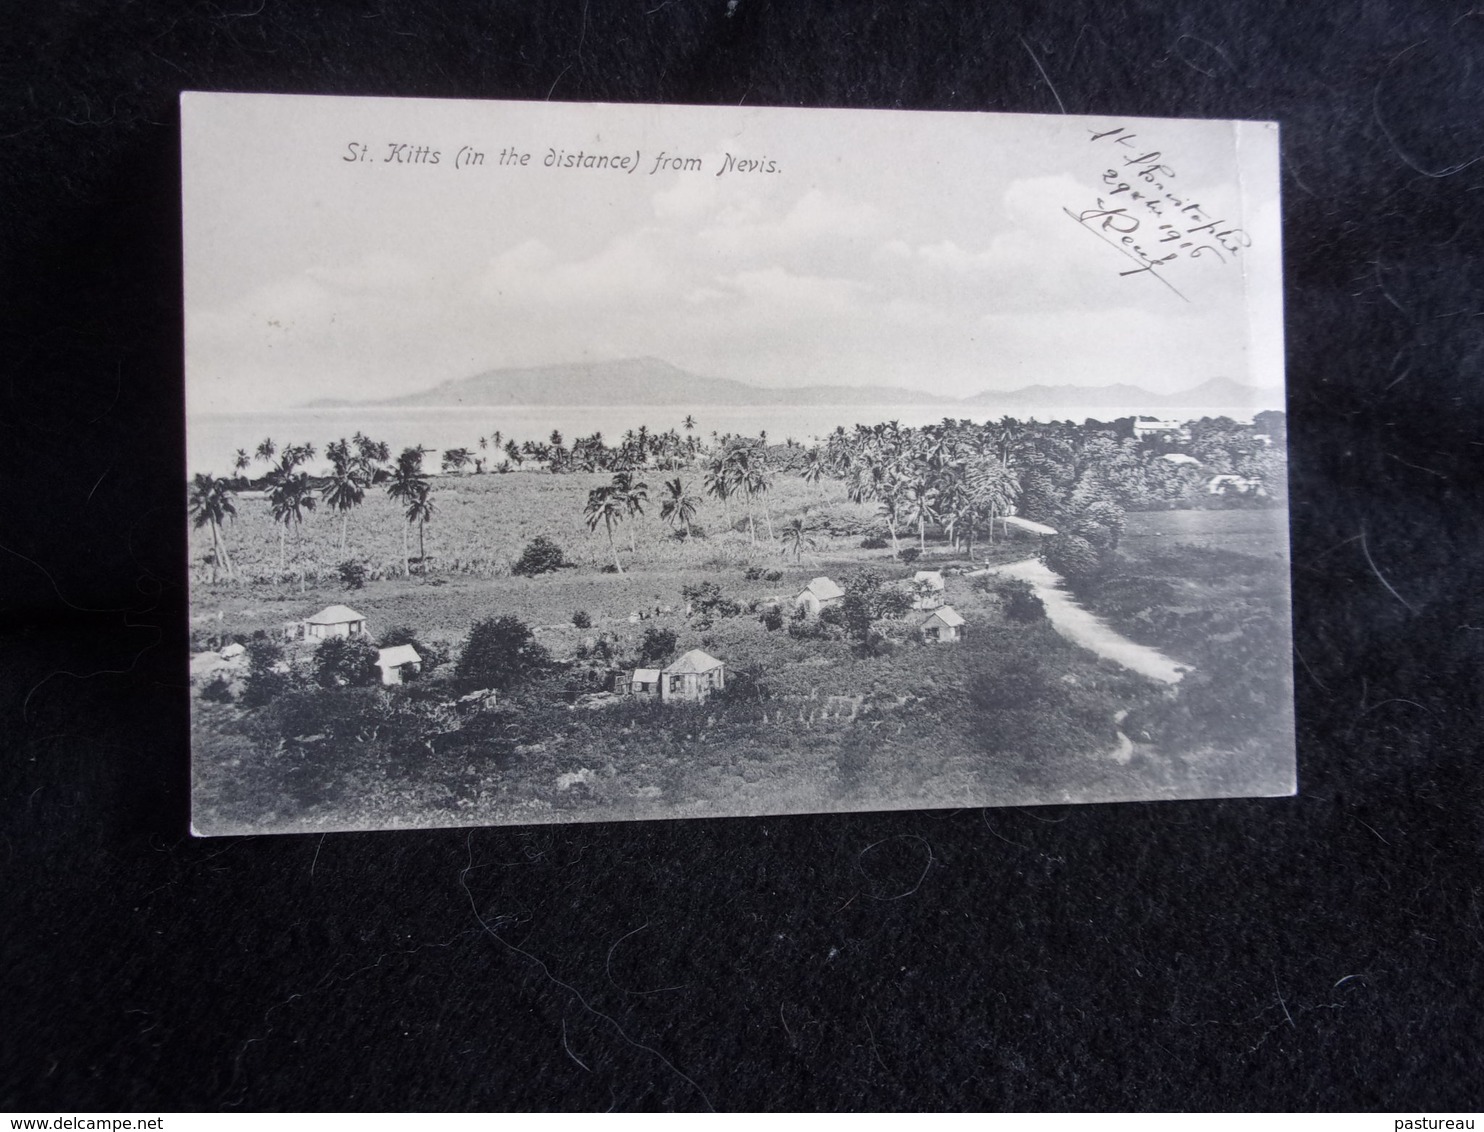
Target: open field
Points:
(489, 519)
(482, 523)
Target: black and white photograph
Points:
(560, 463)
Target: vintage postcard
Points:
(558, 463)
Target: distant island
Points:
(652, 381)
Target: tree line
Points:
(958, 477)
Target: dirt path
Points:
(1086, 629)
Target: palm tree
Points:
(813, 469)
(346, 488)
(420, 507)
(759, 481)
(289, 495)
(241, 462)
(920, 498)
(678, 505)
(456, 460)
(633, 496)
(409, 486)
(210, 505)
(603, 506)
(718, 483)
(266, 450)
(993, 489)
(794, 536)
(370, 454)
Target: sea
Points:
(212, 439)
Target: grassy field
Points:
(483, 522)
(481, 527)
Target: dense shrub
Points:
(1072, 556)
(345, 662)
(909, 554)
(541, 556)
(1021, 602)
(656, 646)
(352, 574)
(500, 653)
(1100, 523)
(581, 620)
(745, 684)
(263, 682)
(706, 601)
(773, 576)
(859, 607)
(873, 543)
(772, 618)
(892, 602)
(218, 690)
(753, 573)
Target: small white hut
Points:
(693, 677)
(644, 682)
(397, 662)
(927, 589)
(942, 626)
(334, 621)
(819, 594)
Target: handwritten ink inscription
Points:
(1145, 215)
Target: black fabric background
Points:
(1319, 952)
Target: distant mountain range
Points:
(651, 381)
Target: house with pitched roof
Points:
(334, 621)
(397, 663)
(641, 682)
(821, 593)
(942, 626)
(692, 677)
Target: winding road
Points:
(1086, 629)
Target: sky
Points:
(930, 251)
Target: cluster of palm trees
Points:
(638, 448)
(612, 503)
(738, 469)
(955, 475)
(356, 465)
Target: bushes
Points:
(758, 574)
(541, 556)
(346, 662)
(265, 678)
(1020, 601)
(892, 602)
(656, 646)
(859, 607)
(581, 620)
(500, 653)
(909, 554)
(352, 574)
(873, 543)
(771, 618)
(218, 690)
(1073, 557)
(706, 602)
